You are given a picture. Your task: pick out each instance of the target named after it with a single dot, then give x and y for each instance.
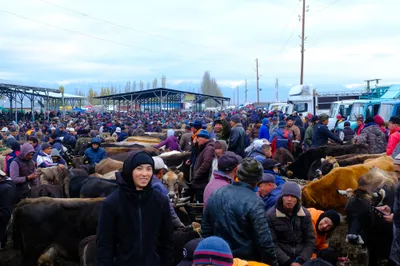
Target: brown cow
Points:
(108, 165)
(175, 182)
(322, 194)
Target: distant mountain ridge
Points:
(267, 92)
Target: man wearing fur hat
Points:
(237, 206)
(291, 227)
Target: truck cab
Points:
(389, 109)
(279, 106)
(342, 108)
(364, 108)
(301, 99)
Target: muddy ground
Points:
(356, 255)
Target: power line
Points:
(121, 26)
(89, 36)
(326, 7)
(293, 28)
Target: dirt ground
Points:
(356, 255)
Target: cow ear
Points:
(322, 160)
(181, 176)
(335, 165)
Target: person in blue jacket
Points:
(95, 154)
(272, 167)
(321, 133)
(268, 190)
(135, 224)
(263, 133)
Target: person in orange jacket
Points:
(324, 223)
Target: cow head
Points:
(327, 164)
(175, 183)
(360, 213)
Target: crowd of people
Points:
(251, 214)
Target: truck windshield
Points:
(386, 111)
(356, 110)
(300, 107)
(333, 110)
(344, 110)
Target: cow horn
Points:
(342, 192)
(335, 165)
(183, 199)
(179, 166)
(381, 193)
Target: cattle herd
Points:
(60, 219)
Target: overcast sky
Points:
(347, 40)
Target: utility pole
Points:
(276, 89)
(237, 88)
(302, 41)
(245, 91)
(258, 88)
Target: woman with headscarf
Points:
(171, 142)
(135, 224)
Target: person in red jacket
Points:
(394, 137)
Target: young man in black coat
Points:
(7, 201)
(135, 224)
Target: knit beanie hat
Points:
(45, 146)
(250, 171)
(331, 214)
(203, 134)
(235, 118)
(133, 161)
(291, 188)
(213, 250)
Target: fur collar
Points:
(280, 214)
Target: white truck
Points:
(305, 99)
(342, 108)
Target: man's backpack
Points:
(284, 141)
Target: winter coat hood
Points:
(26, 148)
(95, 140)
(55, 153)
(265, 121)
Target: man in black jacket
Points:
(321, 133)
(7, 201)
(135, 224)
(236, 214)
(237, 139)
(291, 227)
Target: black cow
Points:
(366, 226)
(89, 187)
(300, 167)
(58, 223)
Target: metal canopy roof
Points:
(37, 91)
(158, 92)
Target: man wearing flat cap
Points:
(321, 133)
(268, 190)
(203, 165)
(237, 206)
(237, 139)
(225, 175)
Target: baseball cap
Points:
(4, 129)
(228, 161)
(267, 178)
(159, 163)
(269, 164)
(188, 252)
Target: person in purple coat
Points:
(171, 142)
(225, 175)
(22, 171)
